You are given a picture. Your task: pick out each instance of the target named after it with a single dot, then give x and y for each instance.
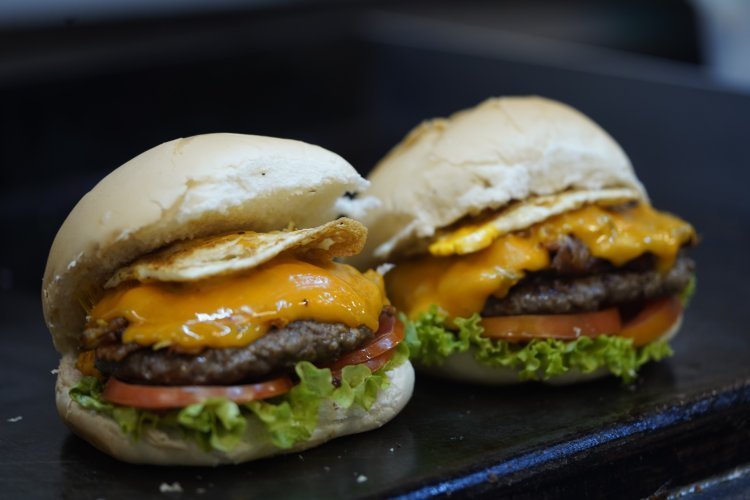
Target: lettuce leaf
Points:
(431, 341)
(219, 424)
(88, 393)
(293, 417)
(687, 294)
(215, 423)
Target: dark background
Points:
(84, 90)
(81, 94)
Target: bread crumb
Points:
(13, 420)
(54, 371)
(361, 478)
(170, 488)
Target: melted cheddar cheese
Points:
(234, 311)
(461, 284)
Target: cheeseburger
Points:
(525, 248)
(198, 326)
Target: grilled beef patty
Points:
(280, 349)
(569, 256)
(578, 282)
(541, 295)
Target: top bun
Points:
(182, 189)
(504, 149)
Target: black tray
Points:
(685, 420)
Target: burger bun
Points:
(184, 189)
(158, 447)
(503, 150)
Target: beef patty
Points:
(578, 282)
(280, 349)
(542, 295)
(569, 256)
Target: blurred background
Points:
(85, 85)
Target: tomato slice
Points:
(152, 397)
(653, 321)
(373, 364)
(390, 334)
(374, 355)
(552, 326)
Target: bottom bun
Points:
(464, 367)
(156, 446)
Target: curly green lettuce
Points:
(431, 341)
(687, 294)
(219, 424)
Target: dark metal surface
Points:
(734, 484)
(686, 420)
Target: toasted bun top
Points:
(186, 188)
(504, 149)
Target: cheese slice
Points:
(235, 310)
(461, 284)
(480, 233)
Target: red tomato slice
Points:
(373, 364)
(151, 397)
(552, 326)
(653, 321)
(390, 334)
(374, 355)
